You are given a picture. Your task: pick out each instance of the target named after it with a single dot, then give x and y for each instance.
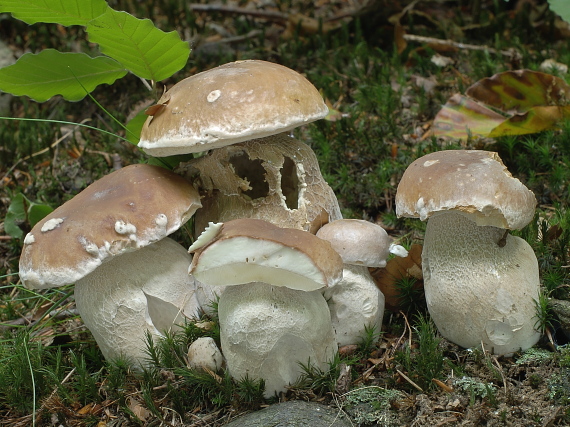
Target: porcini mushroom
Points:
(480, 282)
(90, 241)
(272, 314)
(355, 301)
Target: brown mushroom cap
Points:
(358, 242)
(473, 182)
(123, 211)
(252, 250)
(232, 103)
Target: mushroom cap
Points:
(276, 179)
(473, 182)
(358, 242)
(123, 211)
(252, 250)
(232, 103)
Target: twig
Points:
(451, 43)
(404, 376)
(272, 16)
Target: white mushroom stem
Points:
(480, 284)
(267, 331)
(144, 291)
(355, 303)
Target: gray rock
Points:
(293, 414)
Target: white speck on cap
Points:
(29, 239)
(213, 96)
(124, 228)
(51, 224)
(428, 163)
(161, 220)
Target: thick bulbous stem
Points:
(134, 294)
(267, 332)
(480, 284)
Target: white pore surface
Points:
(266, 331)
(355, 303)
(477, 291)
(147, 290)
(246, 260)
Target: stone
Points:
(293, 414)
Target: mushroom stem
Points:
(268, 331)
(478, 291)
(138, 292)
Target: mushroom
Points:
(272, 314)
(481, 283)
(237, 115)
(91, 241)
(204, 354)
(355, 302)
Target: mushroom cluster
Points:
(481, 283)
(237, 115)
(262, 199)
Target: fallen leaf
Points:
(461, 117)
(529, 101)
(520, 90)
(138, 409)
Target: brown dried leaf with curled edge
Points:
(527, 102)
(396, 269)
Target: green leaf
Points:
(137, 44)
(560, 7)
(64, 12)
(15, 215)
(23, 211)
(37, 212)
(50, 72)
(134, 127)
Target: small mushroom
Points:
(91, 241)
(272, 314)
(480, 282)
(204, 354)
(355, 301)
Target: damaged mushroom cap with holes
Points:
(355, 302)
(481, 283)
(272, 315)
(276, 179)
(90, 241)
(232, 103)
